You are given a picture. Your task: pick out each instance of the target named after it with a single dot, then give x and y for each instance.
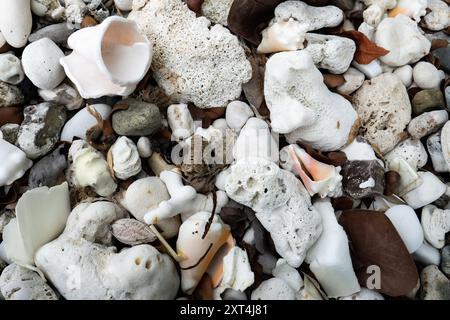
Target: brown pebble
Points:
(342, 203)
(88, 21)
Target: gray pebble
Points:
(10, 95)
(435, 285)
(443, 54)
(140, 119)
(447, 97)
(10, 132)
(428, 100)
(58, 33)
(48, 170)
(445, 260)
(40, 129)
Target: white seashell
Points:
(89, 168)
(353, 81)
(414, 9)
(198, 253)
(409, 178)
(237, 114)
(144, 147)
(40, 60)
(237, 273)
(317, 177)
(427, 76)
(300, 103)
(124, 5)
(404, 40)
(15, 21)
(412, 151)
(329, 258)
(427, 254)
(435, 223)
(180, 121)
(407, 225)
(430, 190)
(14, 163)
(445, 142)
(439, 17)
(434, 148)
(114, 56)
(329, 52)
(63, 95)
(371, 70)
(140, 272)
(41, 216)
(427, 123)
(125, 158)
(405, 74)
(82, 121)
(10, 69)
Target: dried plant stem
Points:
(165, 243)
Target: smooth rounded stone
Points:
(125, 158)
(124, 5)
(82, 121)
(192, 60)
(412, 151)
(144, 147)
(427, 123)
(428, 100)
(370, 70)
(445, 260)
(10, 132)
(434, 148)
(443, 54)
(40, 129)
(58, 33)
(404, 40)
(435, 285)
(63, 95)
(15, 21)
(353, 81)
(237, 114)
(10, 69)
(427, 254)
(363, 178)
(405, 74)
(383, 106)
(140, 119)
(10, 95)
(40, 61)
(439, 16)
(19, 283)
(430, 190)
(427, 76)
(49, 170)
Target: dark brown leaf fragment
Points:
(366, 50)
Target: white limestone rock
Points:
(439, 17)
(412, 151)
(217, 10)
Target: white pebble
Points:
(144, 147)
(237, 114)
(427, 76)
(371, 70)
(405, 74)
(10, 69)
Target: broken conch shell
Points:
(316, 176)
(114, 56)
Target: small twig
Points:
(165, 243)
(211, 218)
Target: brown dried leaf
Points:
(335, 158)
(333, 80)
(11, 115)
(207, 116)
(366, 50)
(375, 242)
(88, 21)
(132, 232)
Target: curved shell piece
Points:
(317, 177)
(14, 163)
(435, 224)
(15, 21)
(196, 252)
(114, 56)
(125, 158)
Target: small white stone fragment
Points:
(439, 17)
(10, 69)
(434, 148)
(405, 74)
(371, 70)
(359, 149)
(125, 158)
(14, 163)
(427, 76)
(435, 223)
(144, 147)
(237, 114)
(353, 81)
(430, 190)
(180, 122)
(427, 254)
(427, 123)
(64, 95)
(124, 5)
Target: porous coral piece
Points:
(192, 61)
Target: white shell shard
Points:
(237, 114)
(329, 52)
(82, 121)
(106, 51)
(317, 177)
(10, 69)
(427, 123)
(434, 148)
(435, 223)
(180, 41)
(15, 21)
(237, 273)
(439, 17)
(427, 76)
(140, 272)
(329, 258)
(14, 163)
(353, 81)
(302, 106)
(125, 158)
(430, 190)
(41, 216)
(404, 40)
(180, 121)
(89, 168)
(409, 178)
(40, 61)
(407, 225)
(414, 9)
(412, 151)
(197, 253)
